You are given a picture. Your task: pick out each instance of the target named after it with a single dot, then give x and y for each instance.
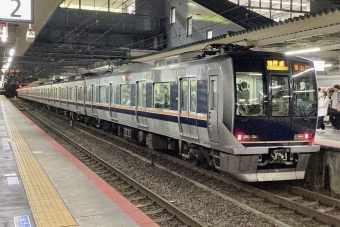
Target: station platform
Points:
(329, 138)
(43, 185)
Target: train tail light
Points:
(241, 137)
(304, 136)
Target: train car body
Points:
(251, 115)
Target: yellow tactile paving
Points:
(47, 207)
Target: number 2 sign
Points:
(16, 11)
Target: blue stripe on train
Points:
(164, 117)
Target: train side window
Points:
(88, 94)
(72, 94)
(213, 94)
(64, 93)
(161, 95)
(184, 97)
(102, 94)
(125, 94)
(193, 95)
(80, 94)
(112, 93)
(141, 93)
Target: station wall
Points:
(203, 21)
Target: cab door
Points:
(213, 110)
(112, 107)
(279, 106)
(141, 104)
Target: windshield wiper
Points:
(304, 113)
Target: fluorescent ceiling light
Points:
(303, 51)
(328, 65)
(9, 59)
(4, 34)
(319, 65)
(11, 52)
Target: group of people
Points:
(329, 105)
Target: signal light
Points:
(239, 137)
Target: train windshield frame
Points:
(305, 97)
(292, 88)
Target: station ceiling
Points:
(50, 54)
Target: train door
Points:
(279, 105)
(193, 107)
(141, 104)
(112, 107)
(93, 100)
(184, 107)
(213, 110)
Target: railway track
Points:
(157, 208)
(312, 205)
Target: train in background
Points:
(251, 115)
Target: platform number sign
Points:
(16, 11)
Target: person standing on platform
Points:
(322, 109)
(335, 108)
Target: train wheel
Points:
(184, 148)
(141, 137)
(120, 131)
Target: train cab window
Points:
(125, 94)
(102, 94)
(249, 94)
(161, 95)
(88, 94)
(193, 96)
(80, 96)
(280, 95)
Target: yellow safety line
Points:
(47, 207)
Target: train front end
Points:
(275, 117)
